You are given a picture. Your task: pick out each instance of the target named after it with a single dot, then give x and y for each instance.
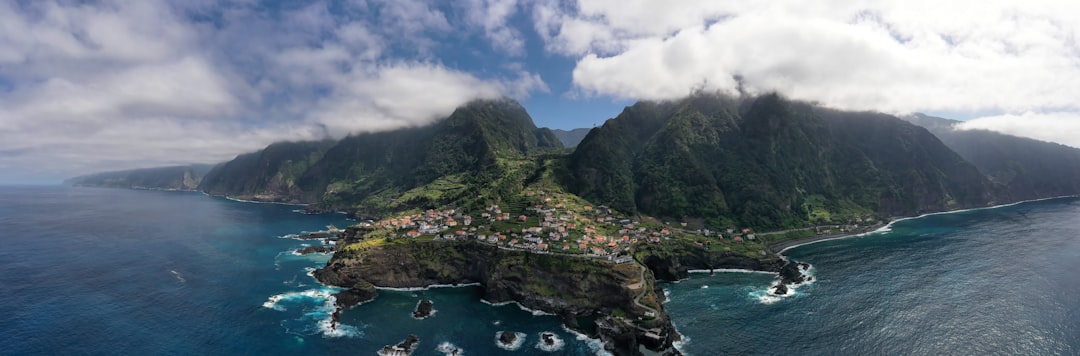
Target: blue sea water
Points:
(109, 271)
(1003, 281)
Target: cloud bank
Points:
(967, 56)
(87, 86)
(109, 84)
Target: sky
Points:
(89, 85)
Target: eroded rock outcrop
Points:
(566, 286)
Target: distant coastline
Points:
(779, 247)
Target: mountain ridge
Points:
(180, 177)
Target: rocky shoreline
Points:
(779, 247)
(623, 298)
(568, 287)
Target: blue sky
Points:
(108, 84)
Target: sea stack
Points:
(405, 348)
(423, 309)
(507, 338)
(548, 339)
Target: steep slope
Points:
(768, 162)
(173, 177)
(375, 173)
(571, 138)
(381, 172)
(270, 174)
(1024, 168)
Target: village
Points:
(550, 223)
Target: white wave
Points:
(520, 340)
(704, 287)
(433, 311)
(328, 329)
(680, 345)
(178, 276)
(522, 307)
(449, 349)
(807, 272)
(888, 227)
(261, 202)
(416, 289)
(557, 342)
(275, 301)
(769, 296)
(728, 270)
(765, 297)
(322, 314)
(595, 345)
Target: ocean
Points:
(88, 271)
(999, 281)
(109, 271)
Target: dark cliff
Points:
(1021, 168)
(570, 287)
(174, 177)
(768, 162)
(672, 260)
(270, 174)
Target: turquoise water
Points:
(990, 281)
(107, 272)
(100, 271)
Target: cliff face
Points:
(767, 162)
(566, 286)
(1021, 168)
(270, 174)
(672, 260)
(174, 177)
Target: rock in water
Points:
(423, 309)
(780, 289)
(315, 249)
(405, 348)
(507, 338)
(549, 338)
(361, 292)
(790, 273)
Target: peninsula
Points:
(706, 182)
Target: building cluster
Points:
(549, 225)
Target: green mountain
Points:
(172, 177)
(571, 138)
(267, 175)
(452, 161)
(1024, 168)
(768, 162)
(763, 162)
(426, 166)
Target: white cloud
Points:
(1060, 127)
(408, 94)
(493, 17)
(892, 56)
(108, 85)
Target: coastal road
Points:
(644, 289)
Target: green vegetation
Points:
(174, 177)
(1020, 168)
(767, 163)
(271, 174)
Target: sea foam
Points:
(449, 349)
(322, 313)
(556, 345)
(520, 340)
(522, 307)
(594, 345)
